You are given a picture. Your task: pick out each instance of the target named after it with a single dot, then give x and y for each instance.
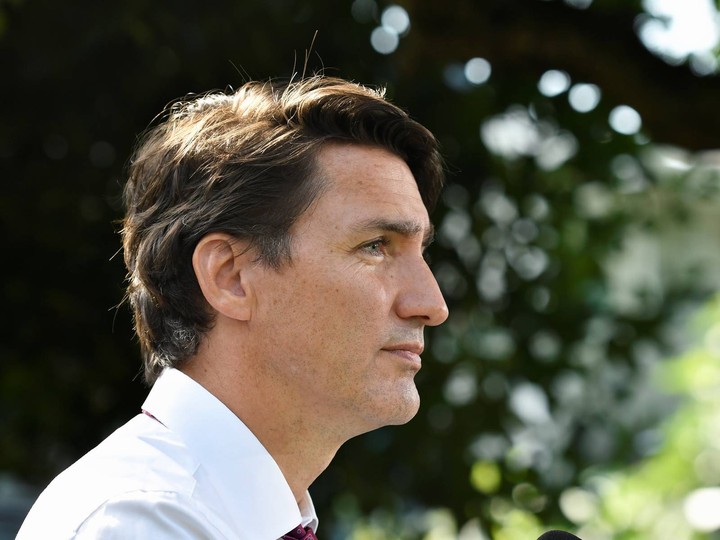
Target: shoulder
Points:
(173, 516)
(140, 464)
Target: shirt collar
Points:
(248, 481)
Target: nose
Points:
(420, 296)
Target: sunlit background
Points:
(576, 384)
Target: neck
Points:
(298, 446)
(288, 433)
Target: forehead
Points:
(375, 182)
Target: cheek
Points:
(356, 295)
(348, 315)
(331, 309)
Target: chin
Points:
(406, 409)
(388, 406)
(403, 420)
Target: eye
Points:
(376, 247)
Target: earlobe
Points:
(219, 261)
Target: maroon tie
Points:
(300, 533)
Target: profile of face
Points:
(341, 324)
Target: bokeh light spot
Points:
(485, 476)
(593, 200)
(678, 29)
(527, 496)
(364, 11)
(553, 83)
(524, 230)
(518, 132)
(703, 63)
(511, 134)
(454, 77)
(460, 387)
(478, 70)
(545, 345)
(578, 505)
(584, 97)
(530, 403)
(530, 263)
(556, 150)
(396, 18)
(384, 40)
(579, 4)
(625, 120)
(701, 509)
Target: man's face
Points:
(341, 325)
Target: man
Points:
(274, 240)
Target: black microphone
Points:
(558, 535)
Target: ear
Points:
(220, 262)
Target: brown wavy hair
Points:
(242, 163)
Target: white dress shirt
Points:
(192, 470)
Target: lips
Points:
(408, 351)
(413, 347)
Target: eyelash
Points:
(370, 246)
(383, 242)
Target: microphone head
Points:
(558, 535)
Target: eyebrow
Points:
(403, 228)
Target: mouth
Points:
(408, 351)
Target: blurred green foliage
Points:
(570, 253)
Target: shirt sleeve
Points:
(150, 515)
